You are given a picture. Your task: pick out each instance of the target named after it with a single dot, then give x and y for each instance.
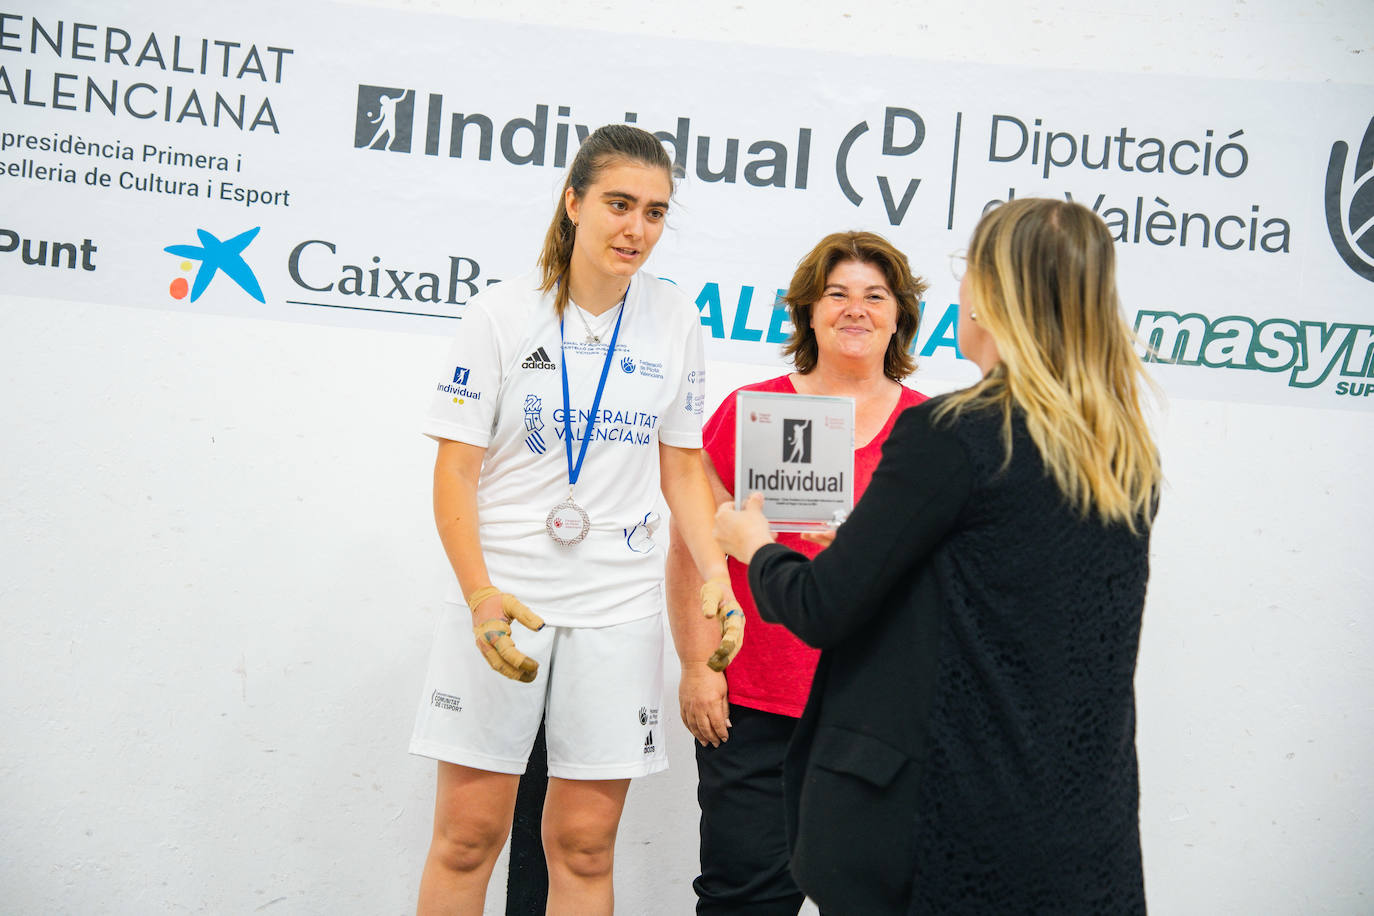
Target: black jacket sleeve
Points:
(913, 500)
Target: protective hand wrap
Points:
(493, 636)
(731, 617)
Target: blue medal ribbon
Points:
(575, 471)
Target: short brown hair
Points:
(808, 285)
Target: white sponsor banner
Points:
(327, 163)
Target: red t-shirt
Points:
(773, 670)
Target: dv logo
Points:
(796, 441)
(386, 117)
(1350, 204)
(896, 209)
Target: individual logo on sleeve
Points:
(458, 388)
(796, 441)
(534, 425)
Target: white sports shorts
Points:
(599, 689)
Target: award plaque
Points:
(798, 451)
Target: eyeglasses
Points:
(958, 264)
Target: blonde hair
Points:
(812, 275)
(605, 145)
(1042, 275)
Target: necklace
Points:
(593, 338)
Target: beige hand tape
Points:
(731, 619)
(493, 636)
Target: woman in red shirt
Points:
(855, 307)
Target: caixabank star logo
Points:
(215, 257)
(1350, 203)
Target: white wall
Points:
(220, 575)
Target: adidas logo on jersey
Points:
(539, 359)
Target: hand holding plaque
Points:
(798, 451)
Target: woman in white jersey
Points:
(570, 398)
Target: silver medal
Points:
(567, 522)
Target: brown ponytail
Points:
(605, 145)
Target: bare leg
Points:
(581, 818)
(472, 815)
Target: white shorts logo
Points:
(446, 701)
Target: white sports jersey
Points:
(502, 389)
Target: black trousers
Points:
(527, 874)
(743, 834)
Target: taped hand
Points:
(718, 601)
(493, 636)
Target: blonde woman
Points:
(969, 741)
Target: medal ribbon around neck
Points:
(575, 471)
